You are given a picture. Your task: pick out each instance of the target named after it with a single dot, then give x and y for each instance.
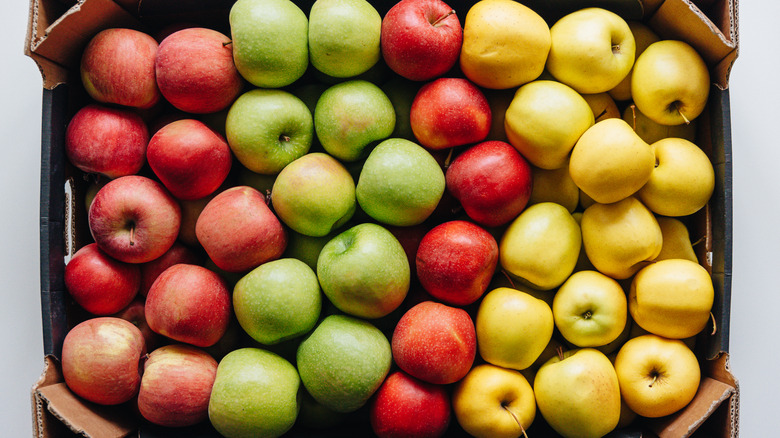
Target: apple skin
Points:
(101, 358)
(189, 158)
(135, 313)
(100, 284)
(195, 71)
(117, 66)
(435, 343)
(238, 230)
(176, 385)
(492, 181)
(408, 407)
(178, 253)
(134, 219)
(421, 39)
(189, 303)
(107, 141)
(456, 261)
(450, 112)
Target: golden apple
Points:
(554, 185)
(651, 131)
(643, 37)
(676, 240)
(602, 105)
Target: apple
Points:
(306, 248)
(513, 328)
(255, 393)
(277, 301)
(176, 386)
(554, 185)
(350, 116)
(364, 271)
(651, 131)
(456, 261)
(408, 407)
(267, 129)
(238, 230)
(195, 71)
(450, 112)
(178, 253)
(343, 362)
(135, 314)
(592, 50)
(602, 105)
(100, 284)
(106, 141)
(492, 182)
(494, 402)
(401, 93)
(499, 101)
(189, 303)
(189, 158)
(101, 360)
(190, 211)
(314, 195)
(643, 37)
(410, 238)
(421, 39)
(113, 55)
(676, 240)
(435, 343)
(400, 183)
(492, 32)
(344, 37)
(134, 219)
(270, 41)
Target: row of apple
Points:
(364, 245)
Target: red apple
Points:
(106, 141)
(435, 343)
(195, 70)
(189, 303)
(101, 360)
(238, 230)
(449, 112)
(134, 219)
(405, 407)
(189, 158)
(410, 238)
(421, 39)
(117, 66)
(178, 253)
(456, 261)
(135, 314)
(100, 284)
(190, 211)
(492, 181)
(176, 386)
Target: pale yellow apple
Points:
(544, 121)
(620, 238)
(682, 181)
(637, 331)
(643, 37)
(612, 347)
(602, 105)
(494, 402)
(513, 328)
(590, 309)
(672, 298)
(676, 240)
(670, 82)
(651, 131)
(505, 279)
(658, 376)
(554, 185)
(578, 393)
(610, 161)
(549, 351)
(541, 245)
(492, 33)
(592, 50)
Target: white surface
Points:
(754, 322)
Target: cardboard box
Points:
(58, 31)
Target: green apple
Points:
(643, 37)
(592, 50)
(314, 194)
(268, 129)
(676, 240)
(651, 131)
(513, 328)
(343, 362)
(344, 37)
(541, 246)
(544, 121)
(307, 248)
(352, 115)
(277, 301)
(570, 385)
(270, 41)
(364, 271)
(400, 183)
(255, 393)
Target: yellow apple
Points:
(554, 185)
(658, 376)
(643, 37)
(676, 240)
(602, 105)
(499, 101)
(610, 162)
(651, 131)
(672, 298)
(544, 121)
(513, 328)
(549, 351)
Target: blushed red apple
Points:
(100, 284)
(408, 407)
(178, 253)
(136, 314)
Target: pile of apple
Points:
(423, 222)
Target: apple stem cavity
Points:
(616, 48)
(442, 18)
(517, 420)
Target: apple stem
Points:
(227, 43)
(132, 234)
(633, 116)
(439, 20)
(701, 239)
(506, 274)
(655, 377)
(604, 111)
(714, 324)
(448, 160)
(559, 350)
(522, 429)
(687, 122)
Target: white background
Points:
(755, 324)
